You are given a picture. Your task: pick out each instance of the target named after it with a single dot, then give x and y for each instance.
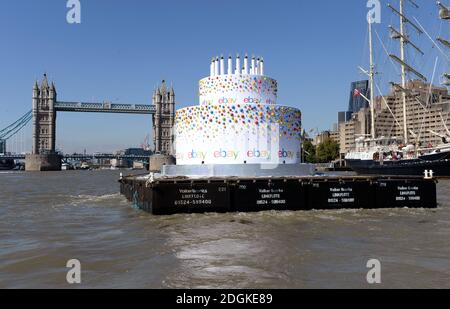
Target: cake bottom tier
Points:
(238, 134)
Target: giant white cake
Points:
(238, 120)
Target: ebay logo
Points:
(285, 154)
(252, 100)
(226, 154)
(197, 155)
(258, 154)
(227, 101)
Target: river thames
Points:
(50, 218)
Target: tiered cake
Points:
(238, 120)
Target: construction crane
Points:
(145, 145)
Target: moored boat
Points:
(7, 164)
(401, 156)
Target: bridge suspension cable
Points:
(15, 127)
(19, 120)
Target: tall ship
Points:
(419, 104)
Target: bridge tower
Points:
(163, 119)
(43, 156)
(44, 117)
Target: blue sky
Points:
(122, 49)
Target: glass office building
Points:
(356, 102)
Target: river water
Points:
(50, 218)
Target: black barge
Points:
(167, 196)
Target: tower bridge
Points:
(82, 157)
(45, 107)
(104, 108)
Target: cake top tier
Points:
(244, 66)
(238, 89)
(238, 81)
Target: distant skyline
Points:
(123, 49)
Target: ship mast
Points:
(404, 40)
(371, 75)
(444, 14)
(372, 82)
(402, 55)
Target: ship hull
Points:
(417, 167)
(6, 165)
